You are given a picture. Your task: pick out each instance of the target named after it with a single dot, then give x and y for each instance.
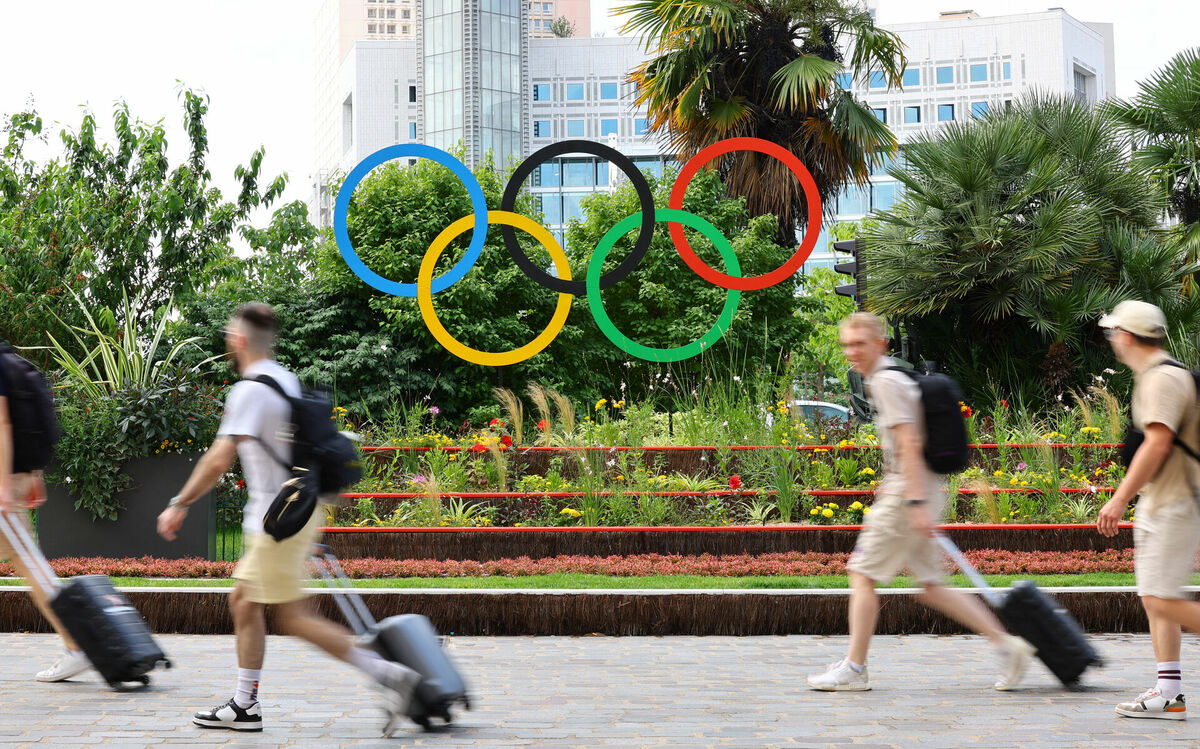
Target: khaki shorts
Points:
(273, 571)
(1164, 549)
(888, 545)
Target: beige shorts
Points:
(888, 545)
(273, 571)
(1164, 549)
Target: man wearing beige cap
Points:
(1167, 529)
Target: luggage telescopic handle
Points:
(350, 602)
(994, 598)
(18, 536)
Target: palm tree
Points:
(767, 69)
(1014, 232)
(1164, 122)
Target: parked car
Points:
(811, 411)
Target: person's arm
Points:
(212, 465)
(1145, 465)
(7, 503)
(911, 455)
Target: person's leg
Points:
(965, 609)
(297, 618)
(242, 712)
(864, 616)
(41, 596)
(249, 628)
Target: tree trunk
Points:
(821, 381)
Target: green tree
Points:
(821, 353)
(767, 69)
(562, 28)
(1014, 233)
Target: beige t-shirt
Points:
(1163, 394)
(897, 400)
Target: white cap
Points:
(1140, 318)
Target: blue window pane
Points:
(1007, 71)
(541, 128)
(945, 75)
(575, 128)
(945, 112)
(912, 114)
(608, 90)
(641, 126)
(882, 167)
(845, 81)
(883, 195)
(880, 114)
(912, 77)
(602, 173)
(548, 175)
(552, 208)
(574, 92)
(649, 166)
(608, 127)
(878, 81)
(978, 73)
(412, 131)
(852, 201)
(573, 206)
(579, 174)
(541, 92)
(979, 108)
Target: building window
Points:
(574, 92)
(548, 175)
(878, 80)
(979, 108)
(1007, 71)
(370, 12)
(608, 90)
(371, 28)
(1008, 105)
(541, 128)
(912, 77)
(541, 92)
(406, 29)
(579, 173)
(574, 128)
(412, 131)
(391, 28)
(641, 126)
(881, 166)
(883, 195)
(979, 73)
(552, 208)
(573, 206)
(396, 92)
(912, 114)
(853, 201)
(845, 81)
(1082, 84)
(608, 127)
(406, 13)
(880, 114)
(945, 112)
(412, 94)
(945, 74)
(391, 13)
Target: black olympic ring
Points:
(616, 158)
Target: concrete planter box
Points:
(64, 531)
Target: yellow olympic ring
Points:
(425, 291)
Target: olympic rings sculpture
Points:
(594, 280)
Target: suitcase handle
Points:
(18, 537)
(993, 597)
(348, 601)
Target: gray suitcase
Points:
(408, 639)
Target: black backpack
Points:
(31, 411)
(945, 429)
(324, 461)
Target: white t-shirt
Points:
(253, 409)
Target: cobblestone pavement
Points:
(594, 691)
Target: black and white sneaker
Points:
(231, 716)
(398, 690)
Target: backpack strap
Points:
(1178, 442)
(270, 382)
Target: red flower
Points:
(1004, 403)
(496, 423)
(241, 484)
(478, 447)
(506, 441)
(735, 482)
(543, 425)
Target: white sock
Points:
(856, 667)
(369, 662)
(1170, 679)
(247, 688)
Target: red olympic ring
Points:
(811, 232)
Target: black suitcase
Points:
(1060, 641)
(109, 630)
(1028, 612)
(408, 639)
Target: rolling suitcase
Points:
(110, 631)
(1028, 612)
(408, 639)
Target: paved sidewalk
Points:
(594, 691)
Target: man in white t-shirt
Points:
(898, 532)
(255, 427)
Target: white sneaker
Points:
(1017, 655)
(71, 663)
(840, 677)
(1151, 704)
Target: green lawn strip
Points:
(683, 582)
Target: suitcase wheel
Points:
(423, 722)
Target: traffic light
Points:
(853, 269)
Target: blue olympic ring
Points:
(419, 150)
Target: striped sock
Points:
(1170, 679)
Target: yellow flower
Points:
(813, 511)
(998, 473)
(1004, 519)
(867, 471)
(620, 477)
(571, 511)
(856, 506)
(866, 510)
(1013, 481)
(827, 512)
(600, 403)
(834, 505)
